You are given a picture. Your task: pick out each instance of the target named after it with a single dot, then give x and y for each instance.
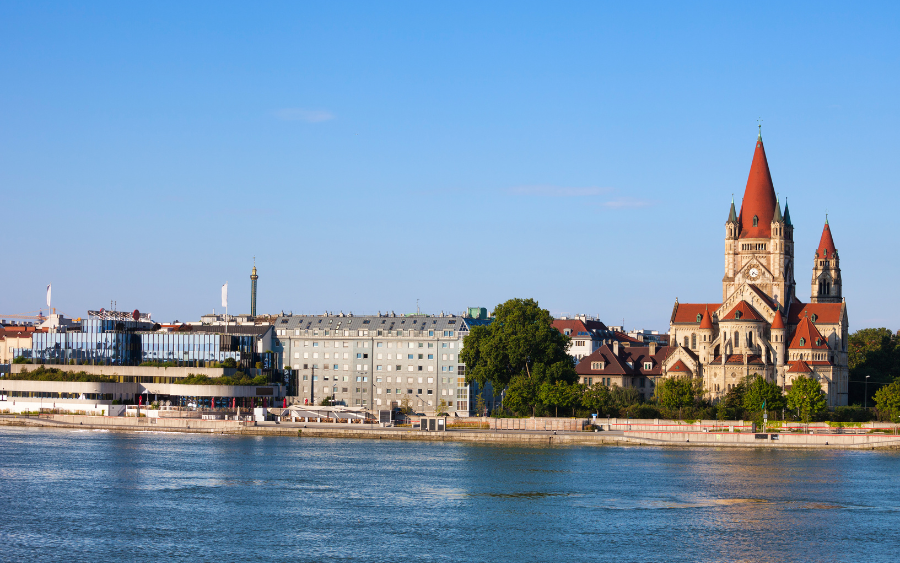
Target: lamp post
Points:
(866, 393)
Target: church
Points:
(760, 326)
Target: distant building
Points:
(377, 362)
(637, 367)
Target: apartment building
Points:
(376, 362)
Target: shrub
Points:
(52, 374)
(229, 363)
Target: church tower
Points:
(826, 274)
(759, 241)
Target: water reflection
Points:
(120, 497)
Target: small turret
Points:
(826, 274)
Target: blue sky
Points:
(372, 154)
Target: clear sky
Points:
(461, 154)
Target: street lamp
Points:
(866, 394)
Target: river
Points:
(123, 497)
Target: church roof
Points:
(747, 313)
(799, 367)
(759, 197)
(687, 312)
(826, 243)
(679, 367)
(827, 313)
(809, 335)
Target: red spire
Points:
(759, 197)
(777, 322)
(826, 243)
(706, 322)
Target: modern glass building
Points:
(127, 343)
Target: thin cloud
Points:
(307, 115)
(627, 202)
(557, 191)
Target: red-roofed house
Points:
(638, 367)
(761, 327)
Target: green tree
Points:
(625, 398)
(522, 395)
(441, 408)
(887, 400)
(520, 341)
(676, 393)
(734, 400)
(806, 398)
(597, 398)
(229, 363)
(559, 393)
(874, 352)
(480, 407)
(759, 394)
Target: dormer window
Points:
(755, 221)
(595, 365)
(814, 318)
(567, 332)
(738, 314)
(648, 365)
(802, 341)
(699, 318)
(818, 341)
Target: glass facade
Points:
(107, 342)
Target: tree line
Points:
(523, 357)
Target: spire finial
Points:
(826, 216)
(759, 124)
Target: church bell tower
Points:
(826, 274)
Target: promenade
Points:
(686, 436)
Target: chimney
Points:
(653, 348)
(615, 348)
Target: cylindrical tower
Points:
(253, 278)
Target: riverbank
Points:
(524, 437)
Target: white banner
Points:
(48, 295)
(224, 295)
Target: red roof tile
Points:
(812, 338)
(747, 313)
(759, 197)
(637, 355)
(826, 243)
(828, 313)
(687, 312)
(706, 323)
(778, 322)
(680, 367)
(799, 367)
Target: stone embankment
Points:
(650, 433)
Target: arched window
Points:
(685, 341)
(737, 338)
(814, 317)
(802, 341)
(749, 339)
(738, 314)
(755, 221)
(693, 340)
(699, 318)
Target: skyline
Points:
(494, 152)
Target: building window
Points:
(755, 221)
(595, 365)
(693, 340)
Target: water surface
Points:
(106, 496)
